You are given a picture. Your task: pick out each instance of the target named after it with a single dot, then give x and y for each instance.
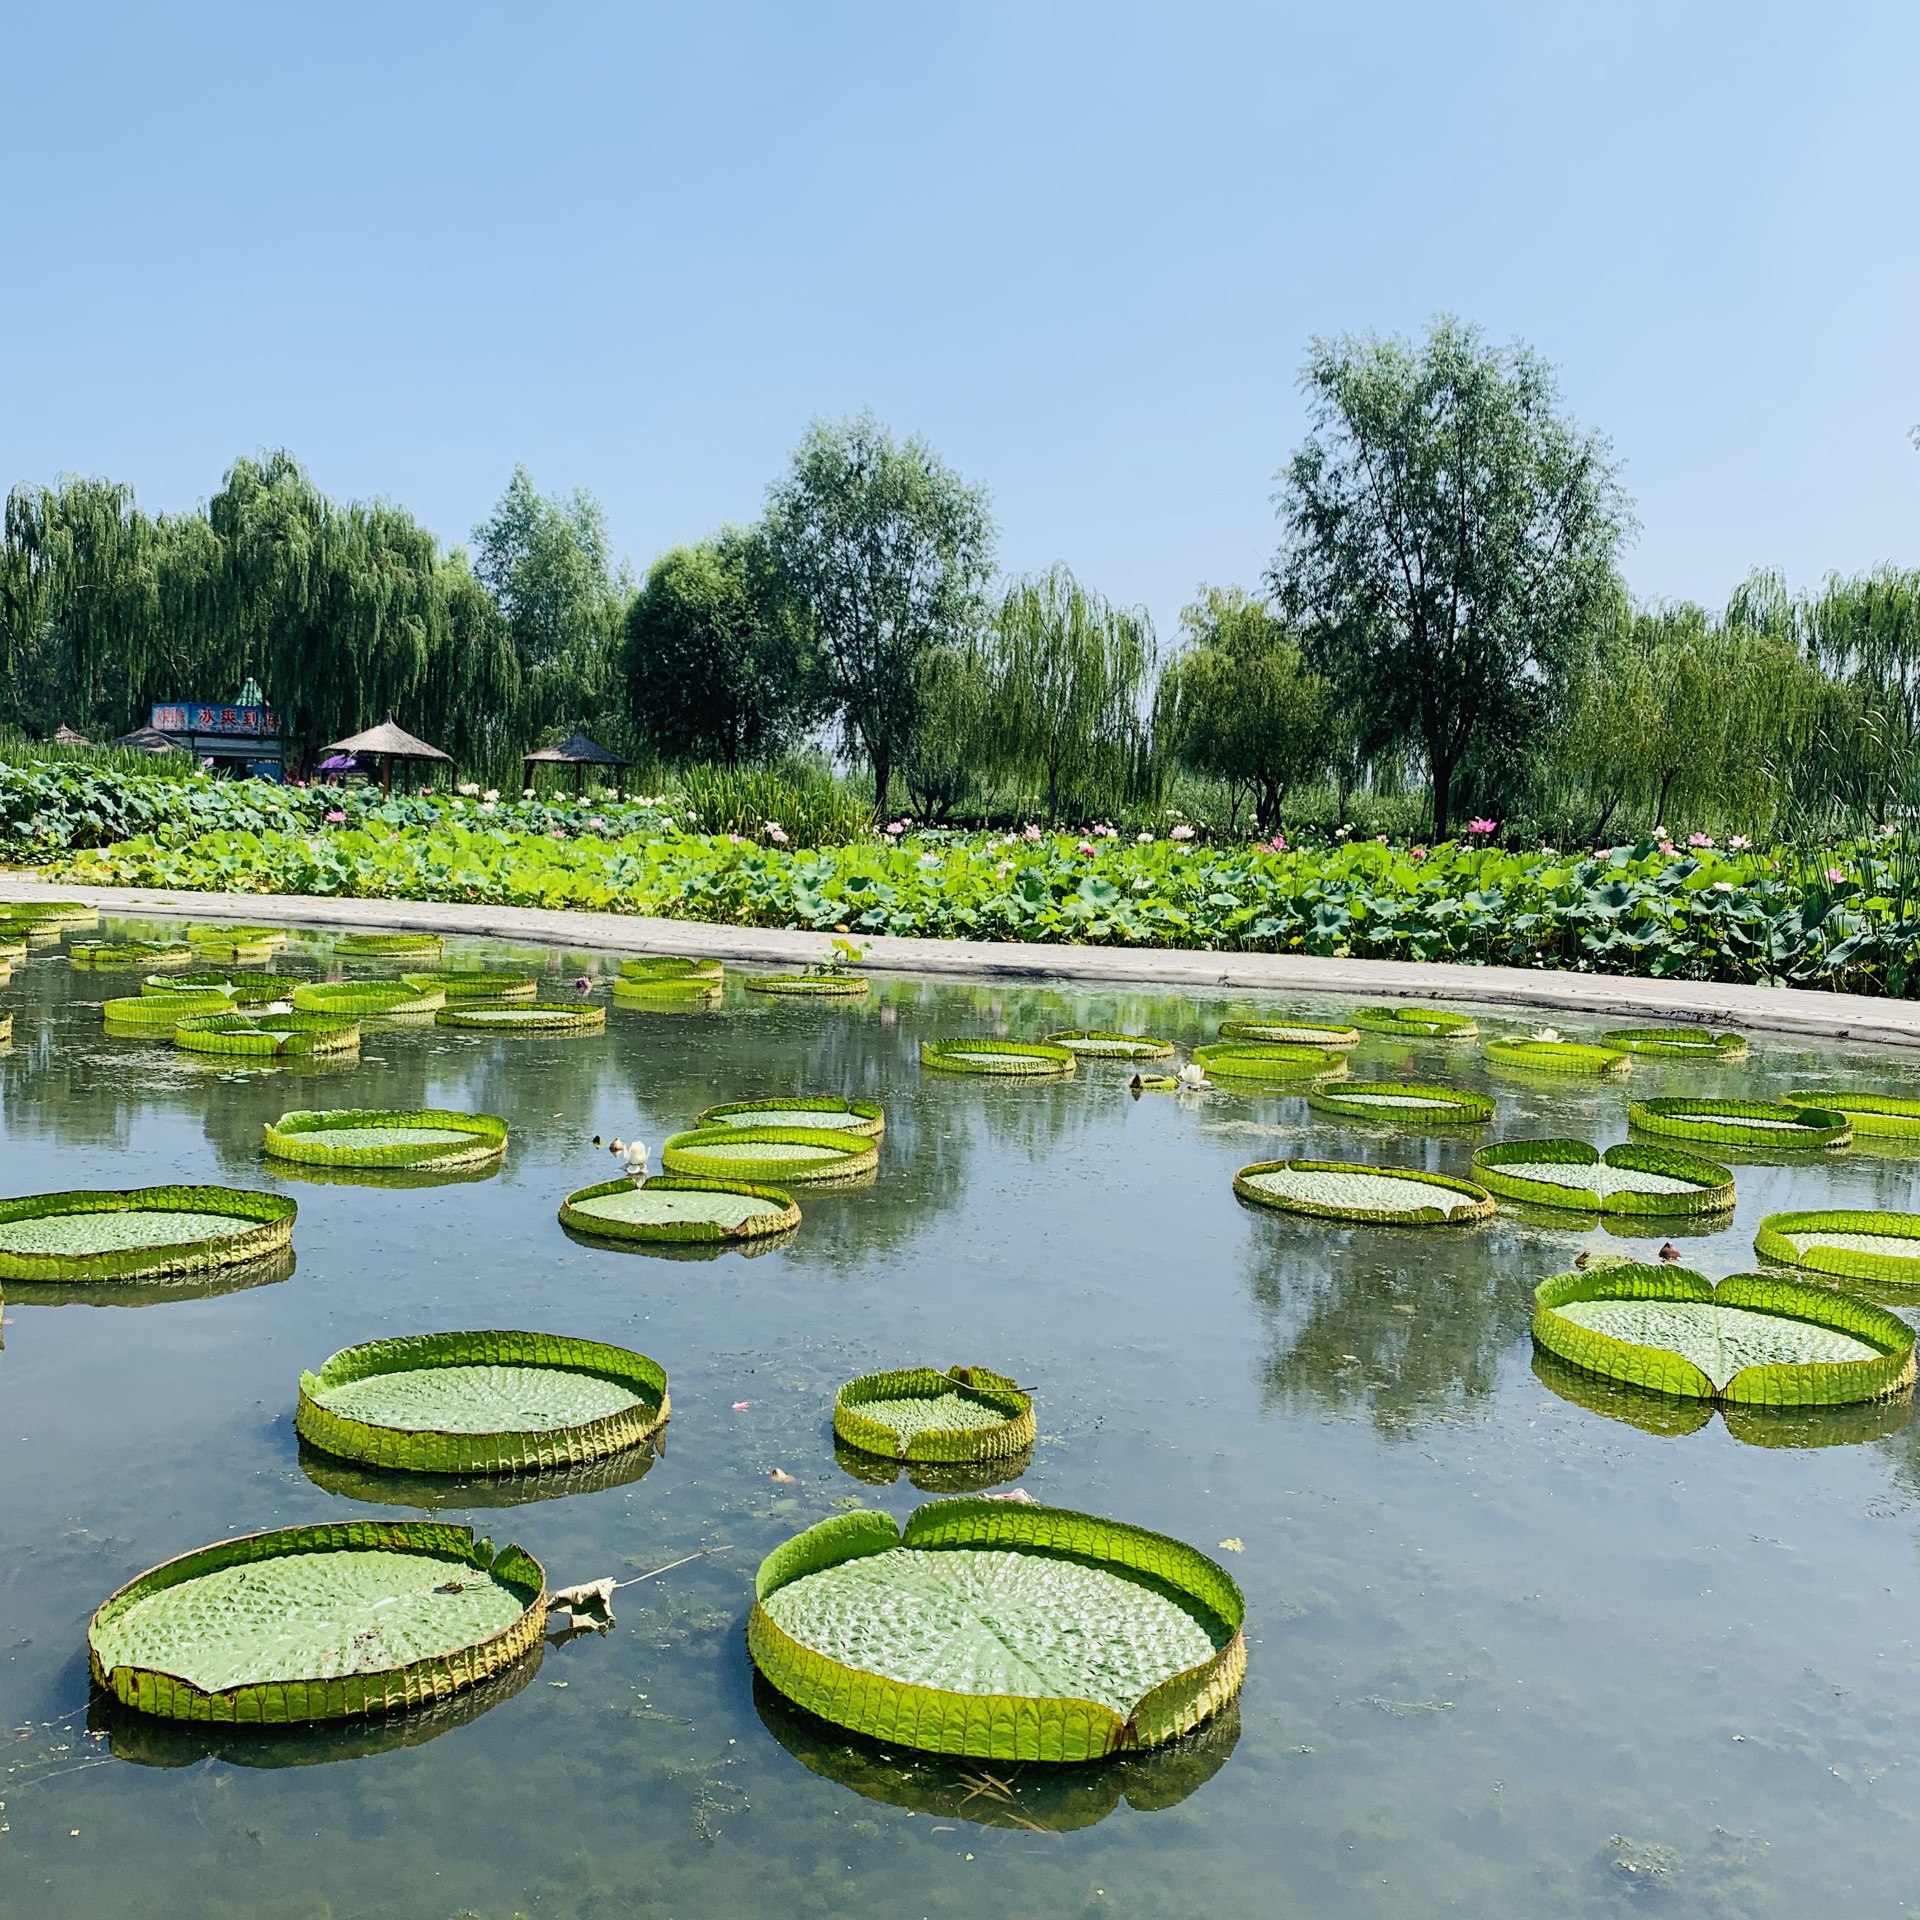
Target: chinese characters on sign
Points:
(197, 716)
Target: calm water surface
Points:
(1511, 1653)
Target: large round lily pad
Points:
(783, 1155)
(470, 983)
(122, 956)
(428, 1139)
(1416, 1023)
(1345, 1190)
(1001, 1631)
(267, 1035)
(1871, 1115)
(1625, 1179)
(388, 946)
(1572, 1058)
(108, 1235)
(1014, 1059)
(533, 1016)
(237, 943)
(53, 913)
(498, 1402)
(673, 1209)
(242, 988)
(159, 1013)
(917, 1413)
(800, 1110)
(1096, 1043)
(318, 1623)
(667, 980)
(1743, 1123)
(1403, 1104)
(1277, 1030)
(1853, 1243)
(1255, 1061)
(1677, 1043)
(825, 986)
(361, 1000)
(1754, 1338)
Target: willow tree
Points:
(1449, 537)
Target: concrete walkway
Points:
(1827, 1016)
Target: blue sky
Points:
(1082, 249)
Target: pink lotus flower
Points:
(1181, 832)
(1278, 843)
(1666, 846)
(1419, 853)
(1739, 843)
(1699, 840)
(336, 818)
(1030, 833)
(776, 833)
(1085, 846)
(559, 833)
(896, 828)
(1482, 826)
(1836, 875)
(596, 823)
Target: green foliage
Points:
(1098, 1044)
(1743, 1123)
(267, 1035)
(1010, 1059)
(1449, 539)
(1628, 1179)
(526, 1016)
(796, 805)
(108, 1235)
(1345, 1190)
(431, 1138)
(680, 1209)
(764, 1155)
(1882, 1115)
(1569, 1057)
(1850, 1243)
(864, 1117)
(916, 1413)
(1258, 1060)
(1402, 1103)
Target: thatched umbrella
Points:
(388, 743)
(150, 740)
(579, 753)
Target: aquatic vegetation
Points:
(998, 1630)
(474, 984)
(242, 989)
(1402, 1103)
(531, 1016)
(1743, 1123)
(1625, 1179)
(497, 1402)
(318, 1623)
(1558, 1056)
(1753, 1339)
(107, 1235)
(1296, 1033)
(1346, 1190)
(266, 1034)
(159, 1013)
(236, 943)
(918, 1413)
(428, 1139)
(780, 1155)
(364, 999)
(1416, 1023)
(1850, 1243)
(657, 980)
(388, 946)
(1676, 1043)
(674, 1209)
(1016, 1059)
(1251, 1060)
(119, 956)
(800, 1110)
(1881, 1115)
(1098, 1044)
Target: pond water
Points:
(1510, 1653)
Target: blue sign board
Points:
(210, 716)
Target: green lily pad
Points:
(430, 1139)
(1013, 1059)
(1416, 1023)
(1743, 1123)
(1253, 1060)
(1345, 1190)
(108, 1235)
(535, 1016)
(1677, 1043)
(1402, 1104)
(1624, 1179)
(781, 1155)
(800, 1110)
(1278, 1031)
(1882, 1115)
(1852, 1243)
(1097, 1044)
(1570, 1057)
(675, 1209)
(916, 1413)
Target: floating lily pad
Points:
(1624, 1179)
(663, 968)
(782, 1155)
(1005, 1632)
(1278, 1031)
(1751, 1339)
(1416, 1023)
(535, 1016)
(241, 989)
(427, 1139)
(1344, 1190)
(1854, 1243)
(829, 986)
(1096, 1044)
(267, 1035)
(1403, 1104)
(158, 1013)
(675, 1209)
(1876, 1115)
(1743, 1123)
(318, 1623)
(800, 1110)
(1014, 1059)
(53, 913)
(108, 1235)
(652, 980)
(500, 1402)
(123, 956)
(1677, 1043)
(473, 984)
(1568, 1057)
(916, 1413)
(360, 1000)
(388, 946)
(1250, 1060)
(236, 943)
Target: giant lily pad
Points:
(1277, 1030)
(428, 1139)
(827, 986)
(1402, 1104)
(159, 1013)
(360, 1000)
(468, 983)
(1853, 1243)
(1001, 1631)
(783, 1155)
(108, 1235)
(1752, 1339)
(534, 1016)
(242, 989)
(1743, 1123)
(123, 956)
(1015, 1059)
(1677, 1043)
(1252, 1060)
(237, 943)
(666, 980)
(318, 1623)
(1344, 1190)
(53, 913)
(1098, 1044)
(500, 1402)
(1871, 1115)
(267, 1035)
(800, 1110)
(388, 946)
(1416, 1023)
(1569, 1057)
(1624, 1179)
(916, 1413)
(672, 1209)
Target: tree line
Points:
(1444, 616)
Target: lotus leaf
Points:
(1250, 1060)
(1291, 1033)
(672, 1209)
(1016, 1633)
(534, 1016)
(430, 1139)
(800, 1110)
(1116, 1046)
(778, 1154)
(915, 1413)
(1416, 1023)
(1752, 1339)
(1012, 1058)
(1677, 1043)
(1743, 1123)
(1558, 1057)
(318, 1622)
(1403, 1104)
(1343, 1190)
(1881, 1114)
(1852, 1243)
(1624, 1179)
(107, 1235)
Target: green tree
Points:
(1242, 706)
(883, 551)
(953, 742)
(1070, 672)
(715, 669)
(1449, 538)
